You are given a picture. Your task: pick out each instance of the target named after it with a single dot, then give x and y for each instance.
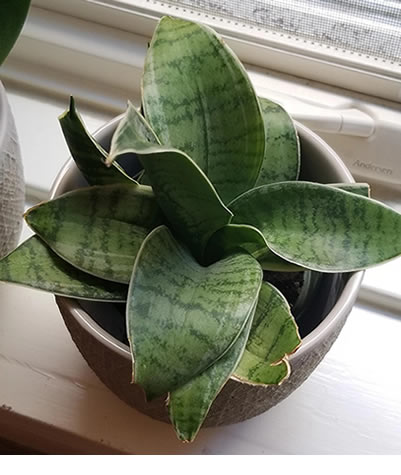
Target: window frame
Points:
(270, 50)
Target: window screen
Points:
(366, 27)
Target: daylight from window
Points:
(367, 27)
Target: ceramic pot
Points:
(12, 188)
(98, 330)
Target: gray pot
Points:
(98, 329)
(12, 188)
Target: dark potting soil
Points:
(288, 283)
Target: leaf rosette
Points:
(185, 242)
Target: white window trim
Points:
(64, 55)
(271, 50)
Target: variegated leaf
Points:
(242, 237)
(189, 405)
(198, 98)
(282, 151)
(233, 238)
(184, 193)
(273, 336)
(33, 264)
(98, 229)
(362, 189)
(182, 317)
(89, 156)
(270, 261)
(321, 227)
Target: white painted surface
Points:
(51, 400)
(350, 405)
(267, 49)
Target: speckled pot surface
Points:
(98, 329)
(11, 179)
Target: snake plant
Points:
(185, 242)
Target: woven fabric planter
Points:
(12, 188)
(98, 330)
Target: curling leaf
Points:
(89, 156)
(182, 317)
(273, 336)
(184, 193)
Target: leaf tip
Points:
(28, 213)
(69, 110)
(185, 436)
(109, 160)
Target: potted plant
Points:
(12, 18)
(186, 245)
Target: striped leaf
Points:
(321, 227)
(270, 261)
(362, 189)
(273, 336)
(189, 405)
(233, 238)
(198, 98)
(182, 317)
(184, 193)
(89, 156)
(282, 152)
(33, 264)
(98, 229)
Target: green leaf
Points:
(273, 336)
(12, 18)
(282, 152)
(182, 317)
(89, 156)
(233, 238)
(321, 227)
(272, 262)
(362, 189)
(198, 98)
(189, 405)
(98, 229)
(184, 193)
(270, 335)
(33, 264)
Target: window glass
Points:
(367, 27)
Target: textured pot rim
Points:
(341, 308)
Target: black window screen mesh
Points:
(367, 27)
